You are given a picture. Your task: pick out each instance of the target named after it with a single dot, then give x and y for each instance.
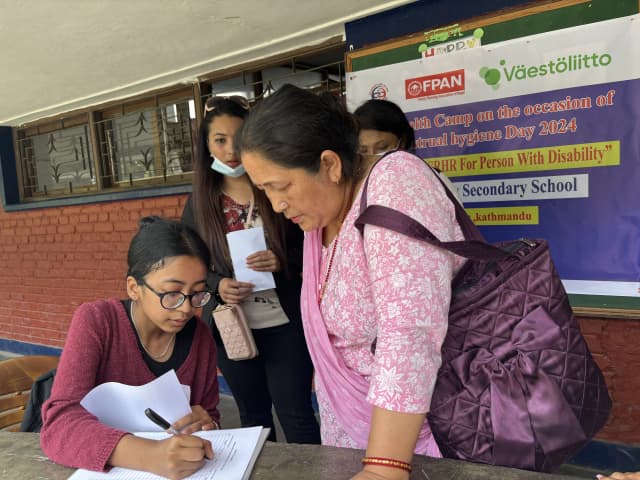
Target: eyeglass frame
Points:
(239, 100)
(184, 296)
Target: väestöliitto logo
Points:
(562, 65)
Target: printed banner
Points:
(541, 137)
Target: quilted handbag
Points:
(518, 386)
(235, 332)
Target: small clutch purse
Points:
(235, 332)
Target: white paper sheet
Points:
(122, 406)
(243, 243)
(235, 453)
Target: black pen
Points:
(158, 420)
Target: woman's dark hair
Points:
(386, 116)
(207, 193)
(292, 127)
(159, 239)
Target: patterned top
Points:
(392, 290)
(236, 214)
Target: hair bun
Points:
(150, 220)
(338, 107)
(330, 100)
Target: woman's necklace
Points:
(169, 343)
(323, 286)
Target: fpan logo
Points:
(566, 64)
(440, 84)
(379, 91)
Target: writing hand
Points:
(176, 457)
(198, 419)
(263, 261)
(181, 456)
(232, 291)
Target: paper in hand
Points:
(122, 406)
(243, 243)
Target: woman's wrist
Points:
(385, 473)
(390, 468)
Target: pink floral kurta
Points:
(392, 289)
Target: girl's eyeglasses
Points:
(173, 300)
(214, 102)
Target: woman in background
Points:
(384, 127)
(133, 342)
(223, 201)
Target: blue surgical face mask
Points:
(224, 169)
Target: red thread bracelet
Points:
(387, 462)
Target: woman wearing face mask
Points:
(224, 200)
(384, 127)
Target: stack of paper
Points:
(122, 406)
(234, 454)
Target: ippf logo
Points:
(379, 91)
(445, 83)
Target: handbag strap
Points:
(248, 221)
(474, 247)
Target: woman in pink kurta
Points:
(375, 305)
(388, 289)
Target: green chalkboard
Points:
(529, 20)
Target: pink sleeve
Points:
(70, 435)
(410, 283)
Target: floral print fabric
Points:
(236, 214)
(387, 298)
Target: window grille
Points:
(149, 140)
(57, 162)
(150, 145)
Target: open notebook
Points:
(235, 453)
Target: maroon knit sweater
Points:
(101, 346)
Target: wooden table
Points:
(22, 459)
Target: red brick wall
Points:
(615, 345)
(53, 259)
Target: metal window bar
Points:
(158, 151)
(147, 146)
(331, 82)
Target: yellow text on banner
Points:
(563, 157)
(504, 215)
